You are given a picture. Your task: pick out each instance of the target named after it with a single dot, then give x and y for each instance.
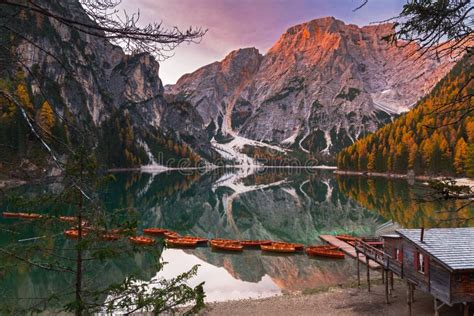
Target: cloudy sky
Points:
(234, 24)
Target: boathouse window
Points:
(471, 276)
(397, 254)
(421, 262)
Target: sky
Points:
(234, 24)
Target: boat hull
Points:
(333, 254)
(110, 237)
(278, 249)
(171, 235)
(255, 243)
(155, 231)
(74, 234)
(11, 215)
(142, 241)
(181, 243)
(224, 246)
(198, 240)
(297, 247)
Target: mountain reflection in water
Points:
(288, 205)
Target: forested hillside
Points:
(76, 90)
(435, 138)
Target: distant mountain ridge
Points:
(320, 87)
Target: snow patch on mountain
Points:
(290, 140)
(233, 150)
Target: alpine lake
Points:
(294, 205)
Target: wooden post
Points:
(391, 281)
(368, 273)
(412, 293)
(386, 288)
(466, 309)
(409, 298)
(436, 307)
(358, 268)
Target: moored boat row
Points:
(175, 240)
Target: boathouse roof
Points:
(453, 247)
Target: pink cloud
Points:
(234, 24)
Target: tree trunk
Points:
(79, 303)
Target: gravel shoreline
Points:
(335, 301)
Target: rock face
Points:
(321, 86)
(96, 83)
(215, 90)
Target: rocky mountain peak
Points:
(321, 86)
(328, 34)
(326, 24)
(215, 94)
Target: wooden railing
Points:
(379, 256)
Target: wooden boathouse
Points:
(438, 261)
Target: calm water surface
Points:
(287, 205)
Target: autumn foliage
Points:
(436, 137)
(394, 200)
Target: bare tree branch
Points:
(121, 30)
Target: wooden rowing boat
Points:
(171, 235)
(121, 231)
(155, 231)
(298, 247)
(280, 248)
(255, 243)
(141, 240)
(327, 253)
(11, 215)
(29, 216)
(74, 233)
(322, 247)
(68, 219)
(226, 246)
(22, 215)
(181, 243)
(347, 238)
(110, 237)
(228, 241)
(198, 240)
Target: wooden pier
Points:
(349, 250)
